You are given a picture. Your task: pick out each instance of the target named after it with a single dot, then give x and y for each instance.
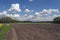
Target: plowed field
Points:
(34, 32)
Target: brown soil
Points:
(34, 32)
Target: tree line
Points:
(10, 20)
(56, 20)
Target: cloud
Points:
(37, 14)
(30, 0)
(28, 11)
(48, 18)
(47, 12)
(15, 16)
(25, 15)
(15, 7)
(3, 14)
(44, 15)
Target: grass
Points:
(1, 26)
(31, 23)
(4, 29)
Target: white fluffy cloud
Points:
(47, 12)
(44, 15)
(30, 0)
(28, 11)
(15, 7)
(37, 14)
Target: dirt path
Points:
(14, 34)
(11, 35)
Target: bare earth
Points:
(34, 32)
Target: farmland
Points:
(34, 32)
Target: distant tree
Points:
(8, 20)
(56, 20)
(26, 21)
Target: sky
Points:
(30, 10)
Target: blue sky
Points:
(32, 10)
(34, 4)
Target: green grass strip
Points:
(4, 31)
